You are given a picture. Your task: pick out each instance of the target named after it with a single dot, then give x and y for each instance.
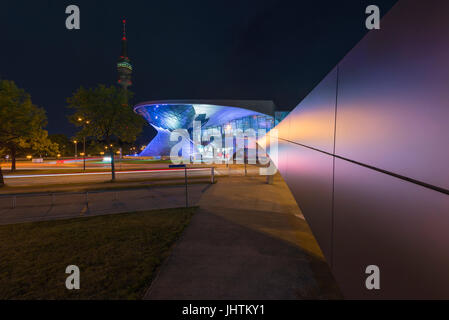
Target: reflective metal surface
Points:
(310, 180)
(314, 118)
(382, 198)
(393, 99)
(399, 226)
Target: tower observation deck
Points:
(124, 67)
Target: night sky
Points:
(264, 49)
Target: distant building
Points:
(124, 66)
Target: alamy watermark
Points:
(373, 20)
(372, 282)
(73, 20)
(73, 280)
(235, 146)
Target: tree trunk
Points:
(112, 164)
(2, 182)
(13, 159)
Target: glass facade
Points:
(218, 124)
(236, 126)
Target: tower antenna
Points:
(124, 29)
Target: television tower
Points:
(124, 67)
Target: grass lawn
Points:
(117, 255)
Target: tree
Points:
(42, 145)
(2, 182)
(2, 153)
(94, 147)
(65, 146)
(21, 122)
(100, 114)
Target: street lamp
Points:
(84, 153)
(76, 151)
(84, 144)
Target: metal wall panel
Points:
(393, 99)
(310, 181)
(392, 119)
(314, 117)
(394, 224)
(282, 159)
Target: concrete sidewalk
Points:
(41, 207)
(248, 240)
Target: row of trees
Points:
(99, 114)
(66, 146)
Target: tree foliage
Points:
(22, 123)
(65, 146)
(101, 114)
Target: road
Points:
(42, 204)
(36, 179)
(29, 180)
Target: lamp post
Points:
(84, 153)
(76, 151)
(84, 145)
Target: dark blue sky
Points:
(264, 49)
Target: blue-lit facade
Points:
(279, 116)
(217, 118)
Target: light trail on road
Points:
(101, 173)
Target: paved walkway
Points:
(40, 207)
(247, 241)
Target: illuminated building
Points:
(216, 117)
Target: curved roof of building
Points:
(261, 106)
